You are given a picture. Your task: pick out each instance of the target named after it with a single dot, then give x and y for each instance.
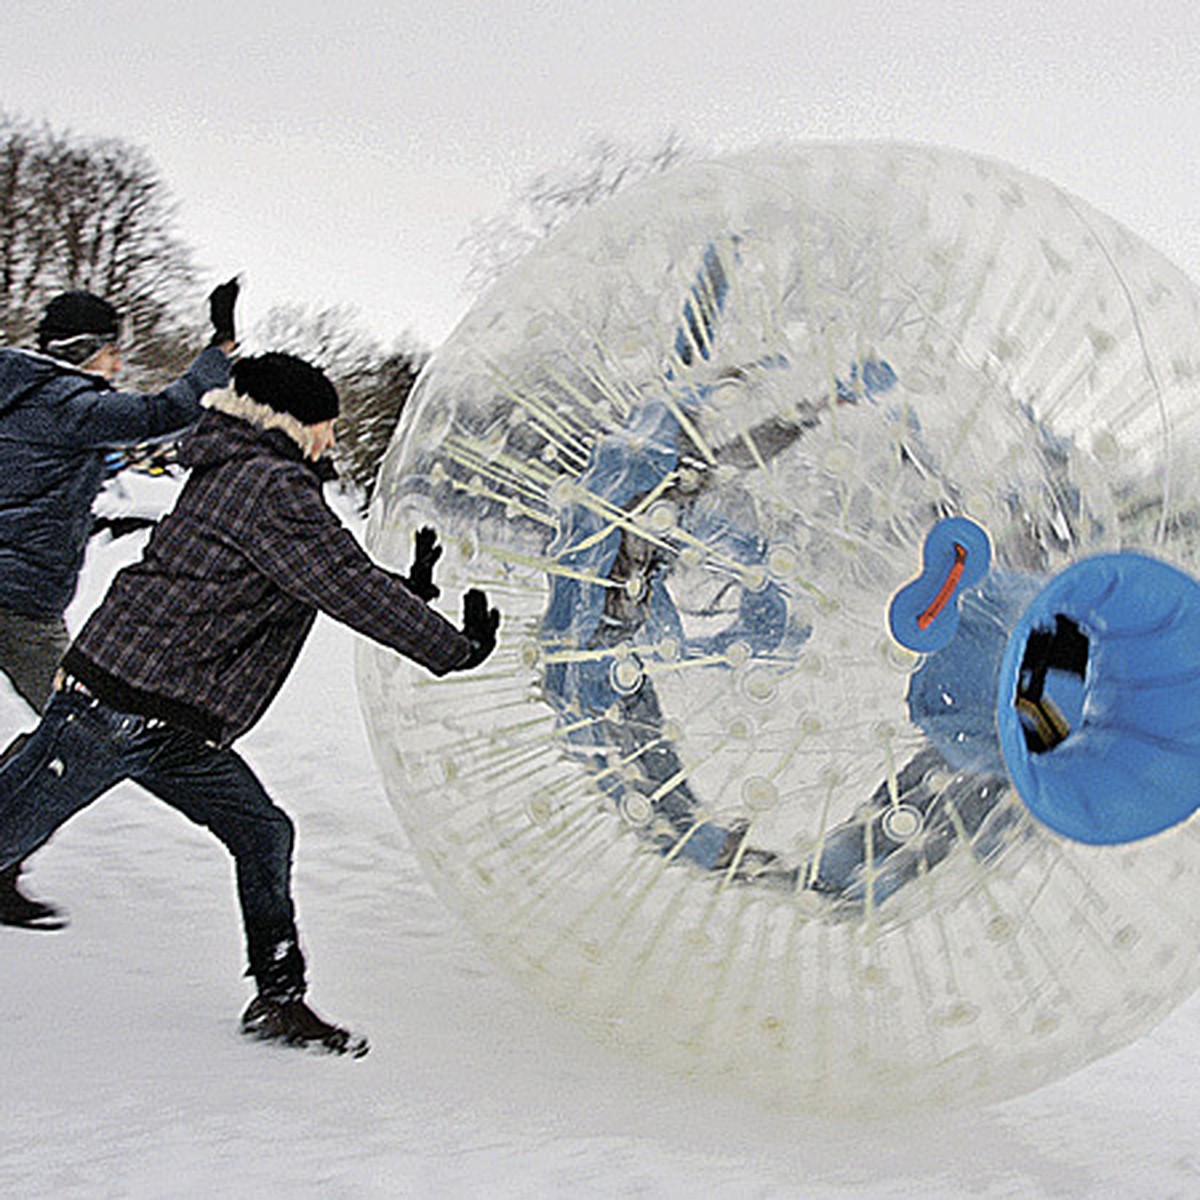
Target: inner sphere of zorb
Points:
(702, 799)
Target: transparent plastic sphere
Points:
(702, 798)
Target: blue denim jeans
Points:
(83, 747)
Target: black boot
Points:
(20, 910)
(293, 1023)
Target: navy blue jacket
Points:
(56, 423)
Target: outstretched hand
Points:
(479, 624)
(221, 302)
(425, 554)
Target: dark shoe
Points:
(23, 912)
(293, 1023)
(749, 864)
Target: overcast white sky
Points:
(338, 152)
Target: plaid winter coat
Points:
(204, 629)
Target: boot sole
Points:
(37, 924)
(354, 1046)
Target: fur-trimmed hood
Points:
(226, 400)
(233, 427)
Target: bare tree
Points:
(550, 198)
(94, 214)
(371, 409)
(26, 236)
(331, 338)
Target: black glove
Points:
(479, 624)
(420, 575)
(220, 311)
(120, 526)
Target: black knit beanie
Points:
(77, 324)
(288, 385)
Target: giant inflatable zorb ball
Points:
(841, 740)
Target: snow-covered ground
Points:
(123, 1073)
